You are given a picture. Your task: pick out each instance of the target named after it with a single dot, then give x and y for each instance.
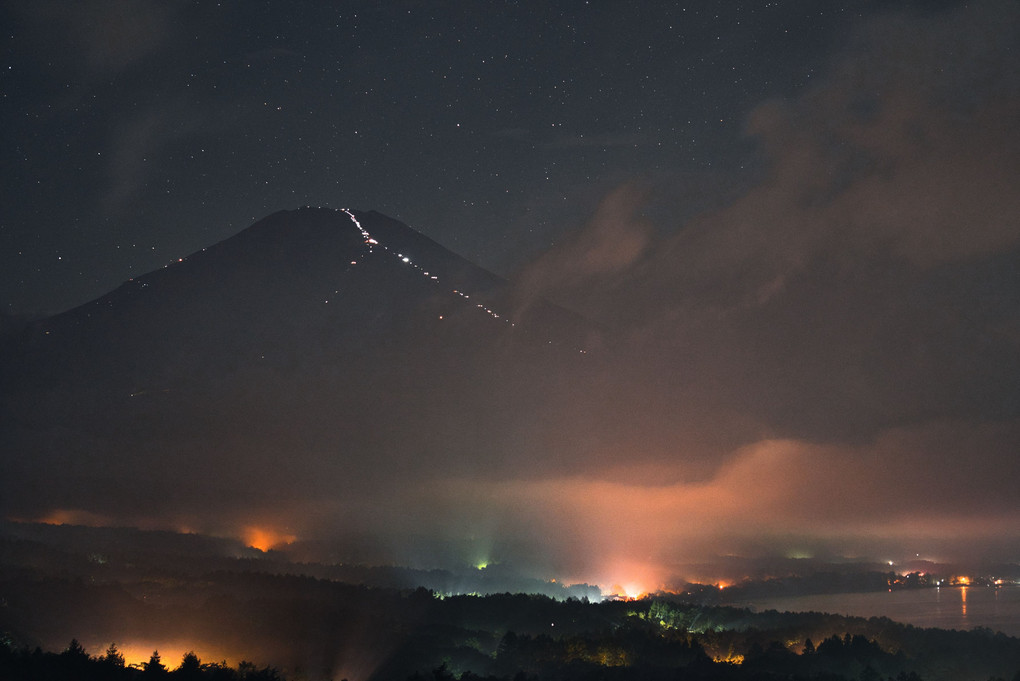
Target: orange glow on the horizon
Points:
(772, 496)
(265, 539)
(634, 591)
(72, 516)
(171, 653)
(628, 579)
(628, 592)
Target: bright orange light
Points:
(264, 538)
(634, 591)
(627, 578)
(630, 592)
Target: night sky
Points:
(799, 223)
(138, 132)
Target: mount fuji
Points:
(318, 353)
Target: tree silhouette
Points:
(74, 660)
(113, 657)
(154, 668)
(75, 651)
(248, 671)
(111, 664)
(191, 667)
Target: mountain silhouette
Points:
(316, 350)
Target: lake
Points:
(947, 608)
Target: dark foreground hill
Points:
(316, 629)
(298, 359)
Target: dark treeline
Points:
(302, 628)
(74, 664)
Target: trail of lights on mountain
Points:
(372, 243)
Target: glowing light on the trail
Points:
(371, 242)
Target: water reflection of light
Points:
(963, 601)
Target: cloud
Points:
(133, 146)
(906, 151)
(609, 243)
(865, 281)
(830, 360)
(105, 36)
(894, 156)
(896, 153)
(939, 489)
(138, 149)
(908, 489)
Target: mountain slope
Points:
(316, 350)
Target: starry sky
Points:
(139, 132)
(798, 221)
